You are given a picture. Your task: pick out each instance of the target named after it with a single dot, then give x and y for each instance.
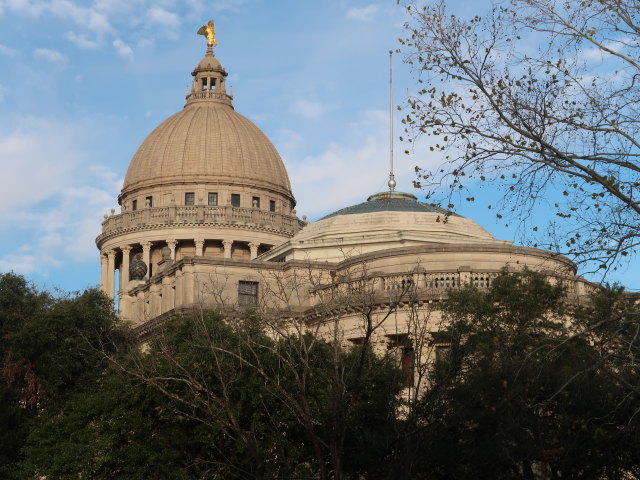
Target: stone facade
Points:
(207, 206)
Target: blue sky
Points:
(82, 83)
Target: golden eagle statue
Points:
(209, 31)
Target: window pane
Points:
(189, 198)
(134, 205)
(235, 199)
(247, 293)
(213, 198)
(272, 205)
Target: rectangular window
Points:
(443, 352)
(408, 363)
(213, 198)
(190, 198)
(235, 199)
(212, 83)
(272, 205)
(204, 84)
(148, 202)
(247, 294)
(134, 204)
(255, 202)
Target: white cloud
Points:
(81, 40)
(7, 51)
(363, 14)
(309, 109)
(86, 17)
(45, 196)
(48, 55)
(350, 168)
(162, 17)
(122, 48)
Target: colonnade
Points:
(109, 256)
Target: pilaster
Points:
(226, 243)
(199, 247)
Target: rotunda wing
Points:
(396, 213)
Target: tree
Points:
(49, 347)
(525, 392)
(114, 427)
(275, 406)
(540, 98)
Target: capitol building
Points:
(207, 219)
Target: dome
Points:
(207, 142)
(397, 214)
(391, 202)
(208, 64)
(386, 221)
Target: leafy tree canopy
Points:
(526, 389)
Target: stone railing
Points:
(200, 214)
(209, 95)
(404, 285)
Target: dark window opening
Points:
(204, 84)
(255, 202)
(443, 354)
(247, 293)
(408, 361)
(213, 199)
(235, 199)
(272, 205)
(189, 198)
(212, 83)
(134, 204)
(148, 202)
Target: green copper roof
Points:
(390, 202)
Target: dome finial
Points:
(209, 31)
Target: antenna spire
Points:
(392, 182)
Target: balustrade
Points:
(190, 214)
(429, 282)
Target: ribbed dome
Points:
(207, 142)
(391, 202)
(395, 213)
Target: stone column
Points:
(172, 246)
(199, 247)
(254, 249)
(124, 267)
(140, 301)
(188, 286)
(111, 273)
(155, 308)
(227, 247)
(103, 272)
(167, 294)
(146, 257)
(178, 298)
